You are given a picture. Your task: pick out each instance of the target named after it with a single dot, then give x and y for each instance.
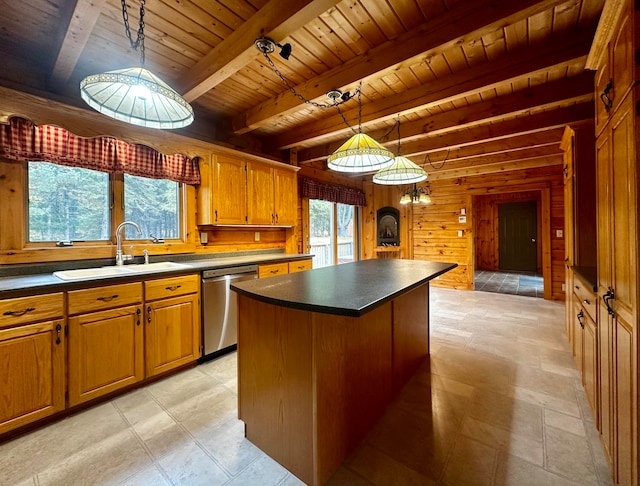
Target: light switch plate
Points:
(257, 236)
(559, 233)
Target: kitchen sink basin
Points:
(115, 271)
(155, 267)
(92, 273)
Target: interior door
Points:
(518, 227)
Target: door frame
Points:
(544, 225)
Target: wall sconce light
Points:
(417, 195)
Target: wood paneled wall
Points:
(436, 226)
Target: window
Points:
(333, 230)
(154, 204)
(67, 203)
(76, 204)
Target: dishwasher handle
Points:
(221, 272)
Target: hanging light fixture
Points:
(135, 95)
(402, 171)
(417, 195)
(360, 153)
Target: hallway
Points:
(515, 283)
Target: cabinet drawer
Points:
(273, 269)
(107, 297)
(300, 265)
(171, 287)
(34, 308)
(585, 297)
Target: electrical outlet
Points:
(459, 232)
(256, 236)
(559, 233)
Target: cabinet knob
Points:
(586, 302)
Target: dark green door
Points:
(518, 228)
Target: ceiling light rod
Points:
(266, 46)
(136, 95)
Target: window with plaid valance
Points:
(312, 189)
(21, 140)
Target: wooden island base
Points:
(311, 385)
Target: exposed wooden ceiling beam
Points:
(486, 76)
(508, 128)
(577, 88)
(494, 132)
(500, 167)
(470, 20)
(277, 19)
(81, 23)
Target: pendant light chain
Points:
(139, 42)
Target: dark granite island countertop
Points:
(350, 289)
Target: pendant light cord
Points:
(139, 42)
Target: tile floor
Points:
(530, 285)
(499, 402)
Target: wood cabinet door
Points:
(286, 197)
(229, 191)
(577, 347)
(32, 359)
(590, 363)
(105, 352)
(602, 79)
(172, 334)
(260, 195)
(622, 57)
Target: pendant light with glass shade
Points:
(360, 153)
(136, 95)
(401, 171)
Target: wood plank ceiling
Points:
(487, 84)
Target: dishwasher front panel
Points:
(220, 312)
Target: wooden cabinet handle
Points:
(580, 316)
(18, 313)
(149, 314)
(138, 312)
(58, 332)
(604, 96)
(108, 298)
(609, 295)
(275, 271)
(173, 287)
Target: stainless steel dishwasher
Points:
(220, 309)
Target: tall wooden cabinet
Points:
(617, 233)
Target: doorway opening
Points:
(508, 253)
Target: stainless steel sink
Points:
(115, 270)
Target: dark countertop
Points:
(21, 285)
(350, 289)
(588, 275)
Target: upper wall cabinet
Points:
(236, 192)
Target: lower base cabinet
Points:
(172, 334)
(105, 352)
(32, 372)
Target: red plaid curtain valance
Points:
(21, 140)
(331, 192)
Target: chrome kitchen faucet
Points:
(120, 258)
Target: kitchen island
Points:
(322, 353)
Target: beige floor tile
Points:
(471, 464)
(564, 422)
(513, 471)
(569, 455)
(108, 461)
(190, 466)
(149, 476)
(262, 472)
(542, 381)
